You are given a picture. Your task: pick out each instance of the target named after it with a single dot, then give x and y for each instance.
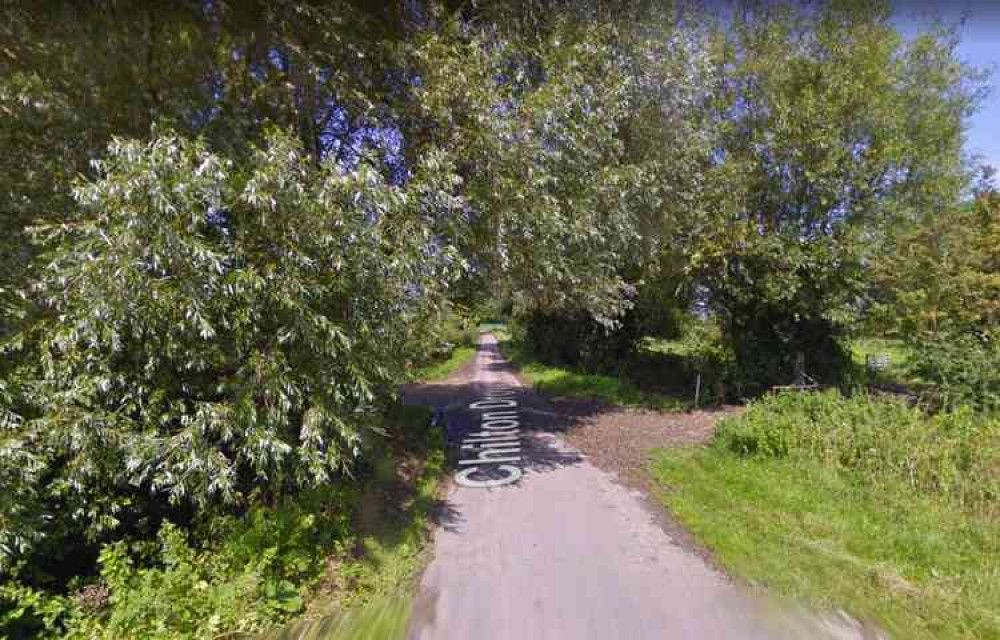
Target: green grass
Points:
(852, 503)
(393, 550)
(560, 381)
(897, 350)
(441, 369)
(384, 619)
(679, 348)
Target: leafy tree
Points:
(73, 75)
(211, 331)
(532, 132)
(834, 127)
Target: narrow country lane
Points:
(565, 551)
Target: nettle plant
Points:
(212, 329)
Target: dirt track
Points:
(568, 551)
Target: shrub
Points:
(955, 454)
(211, 331)
(31, 613)
(577, 339)
(248, 573)
(963, 369)
(169, 589)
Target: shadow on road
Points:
(536, 415)
(540, 417)
(444, 514)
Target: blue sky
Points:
(980, 46)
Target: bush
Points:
(250, 572)
(577, 340)
(963, 369)
(211, 332)
(954, 454)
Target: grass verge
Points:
(921, 560)
(368, 593)
(383, 619)
(459, 357)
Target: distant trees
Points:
(834, 127)
(765, 164)
(937, 286)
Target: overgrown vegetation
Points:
(862, 503)
(228, 231)
(321, 552)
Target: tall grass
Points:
(910, 562)
(860, 503)
(882, 441)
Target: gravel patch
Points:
(621, 439)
